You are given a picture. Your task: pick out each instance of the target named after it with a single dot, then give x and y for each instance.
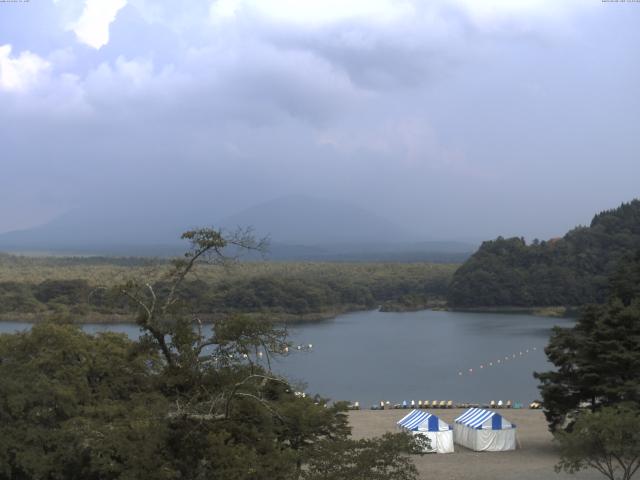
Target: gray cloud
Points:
(453, 123)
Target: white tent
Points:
(424, 423)
(484, 430)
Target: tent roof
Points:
(483, 419)
(424, 421)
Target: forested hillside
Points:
(568, 271)
(37, 288)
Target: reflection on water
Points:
(372, 356)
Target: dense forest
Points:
(176, 403)
(38, 288)
(568, 271)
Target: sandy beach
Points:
(534, 460)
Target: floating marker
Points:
(459, 373)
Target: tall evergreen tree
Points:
(597, 360)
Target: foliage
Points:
(177, 404)
(283, 289)
(608, 441)
(597, 362)
(570, 271)
(69, 402)
(353, 459)
(599, 358)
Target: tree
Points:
(598, 359)
(568, 271)
(183, 402)
(383, 458)
(597, 362)
(221, 379)
(76, 406)
(607, 441)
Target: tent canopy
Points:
(480, 419)
(422, 421)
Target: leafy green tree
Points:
(76, 406)
(183, 402)
(383, 458)
(597, 362)
(625, 283)
(607, 441)
(598, 359)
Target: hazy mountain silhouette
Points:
(299, 219)
(300, 227)
(290, 220)
(91, 230)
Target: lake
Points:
(426, 355)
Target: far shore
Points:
(206, 318)
(290, 318)
(557, 311)
(534, 460)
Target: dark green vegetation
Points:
(176, 404)
(592, 399)
(597, 360)
(607, 441)
(36, 288)
(569, 271)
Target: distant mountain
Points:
(570, 271)
(87, 230)
(300, 228)
(303, 220)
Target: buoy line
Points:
(498, 362)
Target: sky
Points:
(454, 118)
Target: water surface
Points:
(372, 356)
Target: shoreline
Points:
(550, 312)
(292, 318)
(207, 318)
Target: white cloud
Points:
(485, 15)
(21, 72)
(492, 15)
(313, 12)
(92, 28)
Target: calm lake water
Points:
(426, 355)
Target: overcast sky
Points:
(455, 118)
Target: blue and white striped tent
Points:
(439, 433)
(484, 430)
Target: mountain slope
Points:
(299, 223)
(300, 219)
(573, 270)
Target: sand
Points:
(534, 460)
